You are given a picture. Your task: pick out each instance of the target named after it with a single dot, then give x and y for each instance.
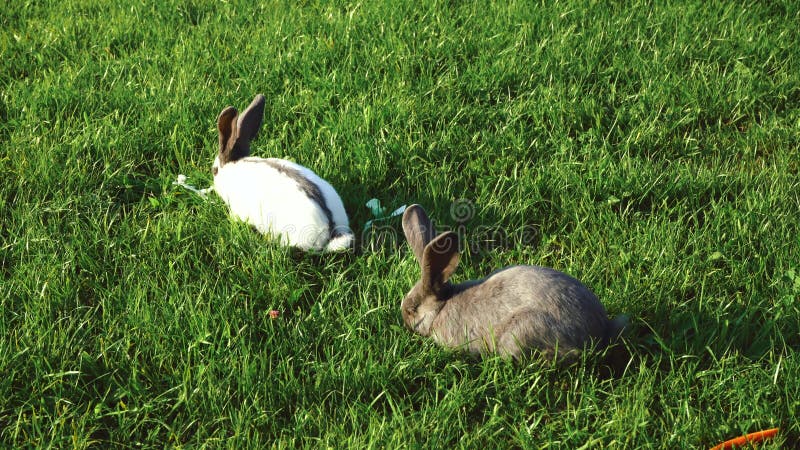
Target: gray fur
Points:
(514, 312)
(418, 230)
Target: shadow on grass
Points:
(746, 332)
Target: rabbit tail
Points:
(340, 241)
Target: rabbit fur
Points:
(276, 196)
(514, 311)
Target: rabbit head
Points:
(236, 131)
(438, 259)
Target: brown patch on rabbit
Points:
(236, 131)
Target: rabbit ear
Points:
(250, 121)
(439, 261)
(226, 124)
(418, 229)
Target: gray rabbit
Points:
(512, 312)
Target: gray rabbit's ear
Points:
(250, 120)
(418, 229)
(439, 261)
(226, 124)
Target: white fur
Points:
(262, 196)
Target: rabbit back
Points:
(519, 309)
(329, 199)
(282, 199)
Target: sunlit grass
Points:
(651, 151)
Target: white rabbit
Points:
(278, 197)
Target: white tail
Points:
(340, 243)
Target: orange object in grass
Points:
(274, 314)
(750, 438)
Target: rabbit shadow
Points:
(704, 336)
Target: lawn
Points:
(651, 151)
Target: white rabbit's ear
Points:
(250, 121)
(439, 261)
(226, 125)
(418, 229)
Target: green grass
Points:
(650, 150)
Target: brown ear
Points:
(439, 260)
(250, 121)
(418, 229)
(226, 124)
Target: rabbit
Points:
(512, 312)
(278, 197)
